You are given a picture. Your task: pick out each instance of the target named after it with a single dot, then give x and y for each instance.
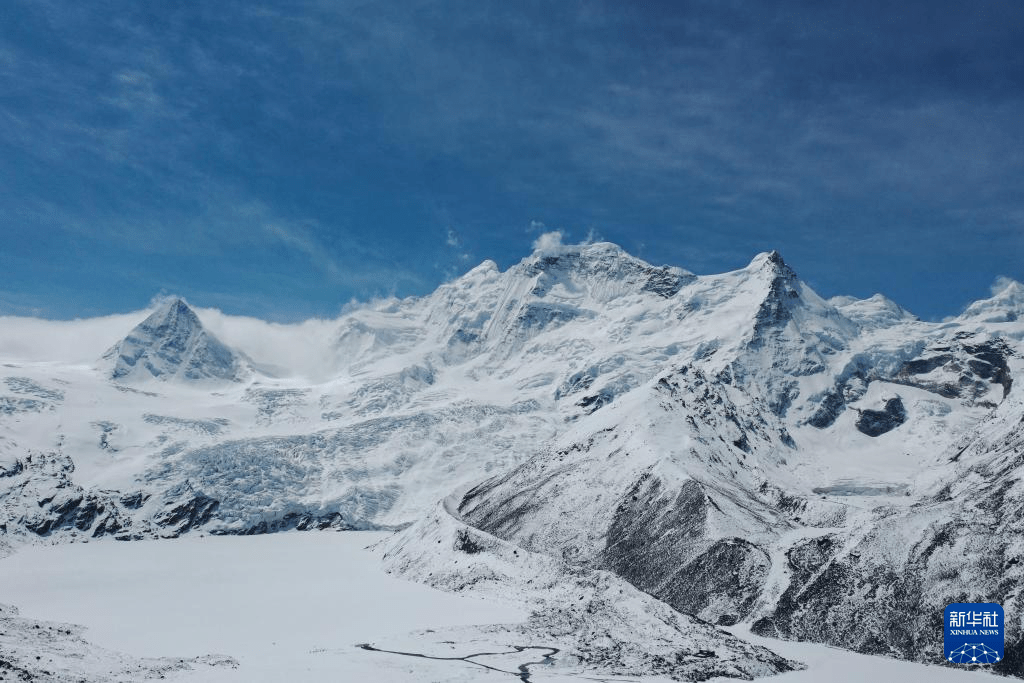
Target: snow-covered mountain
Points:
(731, 444)
(172, 344)
(1005, 305)
(875, 311)
(673, 484)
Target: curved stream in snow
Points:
(524, 669)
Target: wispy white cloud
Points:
(548, 241)
(301, 239)
(1000, 284)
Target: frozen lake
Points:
(287, 606)
(293, 606)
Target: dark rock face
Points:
(726, 578)
(297, 521)
(963, 367)
(39, 497)
(133, 501)
(844, 605)
(989, 362)
(542, 316)
(81, 512)
(829, 410)
(968, 367)
(661, 544)
(640, 522)
(12, 469)
(578, 381)
(878, 422)
(464, 542)
(665, 283)
(850, 385)
(195, 511)
(596, 401)
(776, 308)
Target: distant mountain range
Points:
(733, 445)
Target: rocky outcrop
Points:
(38, 497)
(964, 367)
(878, 422)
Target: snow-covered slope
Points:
(873, 312)
(672, 484)
(594, 618)
(881, 588)
(1005, 305)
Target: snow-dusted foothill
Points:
(53, 652)
(598, 624)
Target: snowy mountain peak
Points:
(875, 312)
(783, 289)
(172, 343)
(1005, 305)
(173, 312)
(486, 267)
(772, 264)
(603, 269)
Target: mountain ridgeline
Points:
(734, 445)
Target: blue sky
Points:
(281, 159)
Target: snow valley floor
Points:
(294, 606)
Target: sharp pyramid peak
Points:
(175, 302)
(772, 263)
(174, 308)
(172, 301)
(171, 342)
(769, 268)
